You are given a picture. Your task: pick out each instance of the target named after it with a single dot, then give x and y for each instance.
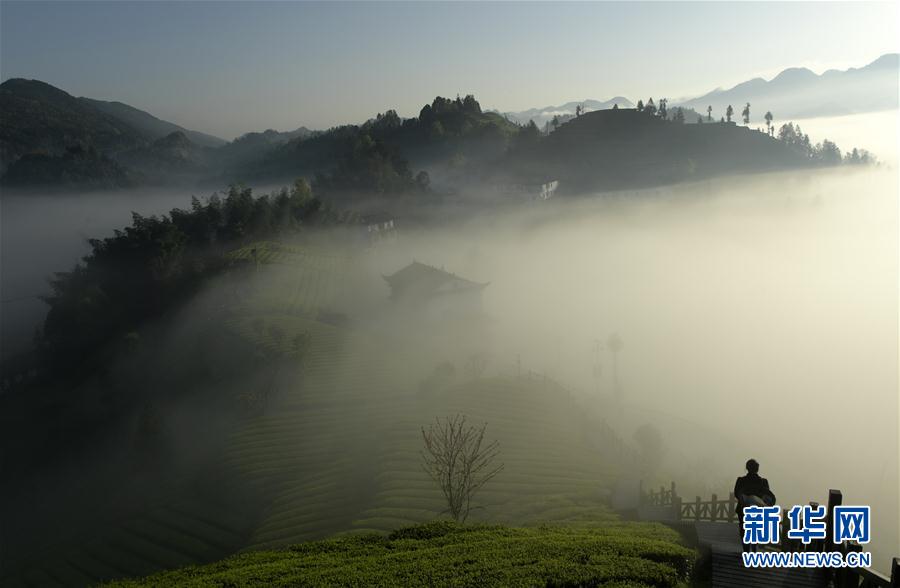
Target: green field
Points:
(444, 554)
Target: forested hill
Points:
(36, 117)
(622, 148)
(447, 133)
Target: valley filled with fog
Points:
(758, 312)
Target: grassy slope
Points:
(444, 554)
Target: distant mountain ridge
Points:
(541, 116)
(154, 127)
(62, 136)
(798, 92)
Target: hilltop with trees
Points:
(650, 145)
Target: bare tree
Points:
(459, 461)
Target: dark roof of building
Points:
(425, 280)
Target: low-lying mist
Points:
(758, 314)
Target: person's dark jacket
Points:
(755, 485)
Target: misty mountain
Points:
(63, 136)
(540, 116)
(169, 157)
(36, 117)
(150, 125)
(800, 93)
(126, 144)
(253, 147)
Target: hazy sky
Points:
(232, 67)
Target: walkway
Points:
(728, 569)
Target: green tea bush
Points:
(443, 553)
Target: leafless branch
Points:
(458, 460)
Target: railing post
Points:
(732, 507)
(676, 504)
(835, 498)
(673, 491)
(697, 509)
(713, 508)
(662, 494)
(851, 575)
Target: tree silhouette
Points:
(828, 153)
(650, 108)
(709, 113)
(459, 461)
(678, 115)
(578, 110)
(555, 121)
(663, 108)
(729, 112)
(768, 118)
(746, 114)
(640, 106)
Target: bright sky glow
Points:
(232, 67)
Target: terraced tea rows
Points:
(336, 448)
(183, 528)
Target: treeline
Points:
(826, 152)
(148, 267)
(369, 165)
(80, 165)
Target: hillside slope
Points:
(37, 117)
(326, 439)
(148, 124)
